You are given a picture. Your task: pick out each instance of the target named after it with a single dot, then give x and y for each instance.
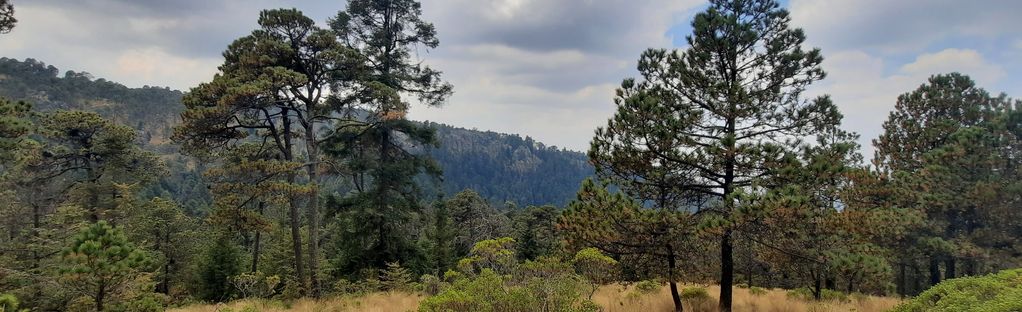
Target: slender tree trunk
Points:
(100, 296)
(727, 265)
(164, 286)
(313, 212)
(817, 288)
(727, 272)
(902, 281)
(255, 246)
(671, 264)
(917, 280)
(949, 270)
(296, 235)
(934, 271)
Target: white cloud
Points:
(861, 86)
(968, 62)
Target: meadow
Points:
(613, 298)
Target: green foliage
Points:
(705, 126)
(494, 254)
(255, 285)
(597, 268)
(380, 147)
(100, 262)
(757, 291)
(694, 294)
(220, 262)
(535, 231)
(14, 127)
(647, 287)
(9, 303)
(489, 291)
(507, 167)
(396, 278)
(998, 292)
(431, 285)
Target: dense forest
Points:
(470, 159)
(293, 174)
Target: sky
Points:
(546, 68)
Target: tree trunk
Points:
(255, 245)
(100, 296)
(671, 264)
(313, 211)
(902, 281)
(296, 235)
(917, 280)
(164, 286)
(817, 288)
(949, 270)
(934, 271)
(727, 272)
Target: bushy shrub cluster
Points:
(490, 280)
(1000, 292)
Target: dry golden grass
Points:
(377, 302)
(613, 298)
(616, 299)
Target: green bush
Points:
(694, 293)
(542, 285)
(757, 291)
(647, 287)
(999, 292)
(8, 303)
(431, 285)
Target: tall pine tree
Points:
(719, 111)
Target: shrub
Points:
(694, 293)
(647, 287)
(256, 284)
(597, 268)
(542, 285)
(431, 285)
(757, 291)
(999, 292)
(451, 276)
(396, 278)
(8, 303)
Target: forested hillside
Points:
(507, 167)
(500, 167)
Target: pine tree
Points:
(7, 19)
(715, 114)
(922, 122)
(649, 241)
(100, 261)
(272, 89)
(381, 150)
(221, 261)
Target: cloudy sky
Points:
(545, 68)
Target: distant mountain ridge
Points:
(501, 167)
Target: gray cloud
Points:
(542, 68)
